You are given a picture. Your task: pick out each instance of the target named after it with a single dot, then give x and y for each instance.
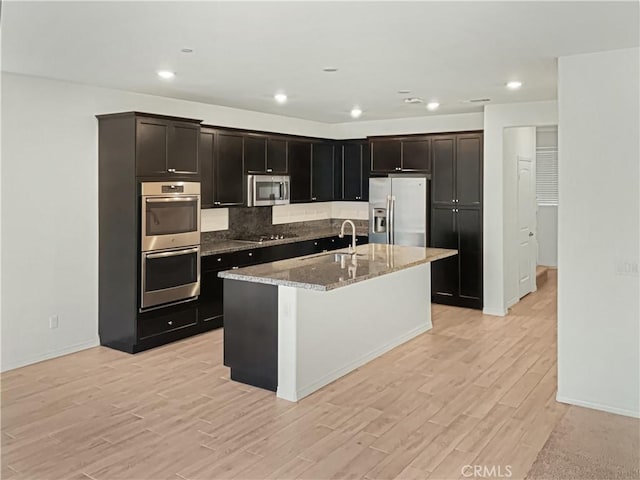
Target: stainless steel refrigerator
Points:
(399, 210)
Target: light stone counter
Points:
(323, 271)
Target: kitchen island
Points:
(293, 326)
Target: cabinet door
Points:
(352, 166)
(300, 171)
(255, 154)
(469, 229)
(276, 155)
(210, 302)
(444, 273)
(322, 172)
(366, 165)
(229, 172)
(151, 147)
(443, 163)
(416, 154)
(386, 155)
(469, 169)
(338, 172)
(183, 148)
(207, 150)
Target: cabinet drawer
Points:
(161, 321)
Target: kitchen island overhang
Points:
(296, 325)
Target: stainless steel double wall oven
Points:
(170, 242)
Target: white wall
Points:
(548, 235)
(496, 119)
(50, 204)
(599, 231)
(517, 142)
(427, 124)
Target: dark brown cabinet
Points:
(206, 155)
(277, 155)
(350, 171)
(401, 154)
(229, 170)
(166, 147)
(255, 154)
(322, 172)
(386, 155)
(456, 218)
(300, 171)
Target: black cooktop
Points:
(267, 237)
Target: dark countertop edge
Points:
(233, 275)
(239, 245)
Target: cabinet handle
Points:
(234, 268)
(216, 203)
(333, 240)
(313, 198)
(171, 170)
(315, 243)
(170, 322)
(269, 170)
(250, 254)
(219, 259)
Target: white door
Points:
(527, 250)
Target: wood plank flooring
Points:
(475, 390)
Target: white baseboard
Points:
(496, 312)
(342, 371)
(598, 406)
(512, 302)
(22, 362)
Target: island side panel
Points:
(251, 333)
(339, 330)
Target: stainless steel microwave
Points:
(264, 190)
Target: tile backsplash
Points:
(237, 221)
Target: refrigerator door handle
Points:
(391, 219)
(388, 219)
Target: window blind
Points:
(547, 175)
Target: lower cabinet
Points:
(457, 280)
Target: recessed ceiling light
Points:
(187, 50)
(280, 97)
(356, 112)
(166, 74)
(330, 69)
(432, 106)
(514, 85)
(404, 92)
(413, 100)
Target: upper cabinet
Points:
(400, 154)
(457, 169)
(300, 170)
(322, 171)
(167, 147)
(277, 155)
(228, 171)
(386, 155)
(351, 171)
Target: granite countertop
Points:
(322, 272)
(215, 247)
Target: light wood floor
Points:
(475, 390)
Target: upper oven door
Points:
(170, 221)
(269, 190)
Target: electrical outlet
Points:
(53, 321)
(627, 268)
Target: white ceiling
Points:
(245, 52)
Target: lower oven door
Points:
(169, 276)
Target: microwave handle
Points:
(173, 253)
(171, 199)
(285, 190)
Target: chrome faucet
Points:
(352, 247)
